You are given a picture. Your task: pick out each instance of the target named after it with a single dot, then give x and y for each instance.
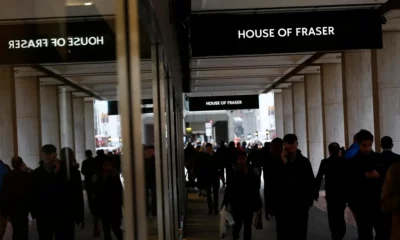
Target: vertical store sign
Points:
(208, 129)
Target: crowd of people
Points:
(365, 181)
(52, 194)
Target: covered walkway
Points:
(201, 226)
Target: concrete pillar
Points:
(315, 133)
(90, 143)
(27, 101)
(278, 102)
(300, 119)
(8, 128)
(388, 84)
(231, 127)
(66, 119)
(78, 108)
(50, 119)
(357, 79)
(333, 112)
(288, 121)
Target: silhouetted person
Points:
(212, 183)
(71, 203)
(334, 170)
(108, 200)
(150, 173)
(46, 193)
(223, 157)
(364, 183)
(189, 154)
(232, 159)
(293, 191)
(243, 196)
(16, 199)
(255, 161)
(88, 171)
(388, 156)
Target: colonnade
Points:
(361, 92)
(33, 115)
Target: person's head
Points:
(276, 146)
(149, 151)
(67, 155)
(334, 149)
(290, 143)
(198, 147)
(209, 148)
(222, 144)
(366, 140)
(238, 144)
(231, 145)
(100, 152)
(17, 163)
(48, 154)
(244, 144)
(387, 143)
(255, 146)
(89, 153)
(189, 146)
(342, 151)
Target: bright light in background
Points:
(88, 4)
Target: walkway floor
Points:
(201, 226)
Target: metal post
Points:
(128, 69)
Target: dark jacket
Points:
(108, 197)
(223, 156)
(255, 158)
(290, 184)
(388, 158)
(17, 194)
(242, 193)
(334, 170)
(89, 169)
(212, 168)
(363, 193)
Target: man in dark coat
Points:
(365, 181)
(293, 192)
(223, 157)
(212, 181)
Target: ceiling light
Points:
(88, 4)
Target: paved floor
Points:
(200, 226)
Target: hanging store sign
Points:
(223, 103)
(57, 42)
(265, 33)
(147, 107)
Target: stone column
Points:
(388, 84)
(300, 119)
(66, 118)
(8, 127)
(50, 116)
(288, 121)
(27, 101)
(278, 102)
(315, 133)
(333, 104)
(78, 108)
(357, 80)
(90, 143)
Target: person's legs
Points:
(106, 229)
(382, 225)
(209, 200)
(89, 193)
(238, 218)
(365, 225)
(20, 227)
(248, 220)
(282, 224)
(336, 220)
(216, 197)
(116, 227)
(298, 223)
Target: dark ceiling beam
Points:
(66, 81)
(295, 71)
(389, 5)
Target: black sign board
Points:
(223, 103)
(147, 107)
(265, 33)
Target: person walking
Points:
(212, 169)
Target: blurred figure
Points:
(333, 169)
(223, 157)
(255, 161)
(293, 191)
(189, 155)
(46, 193)
(71, 196)
(200, 171)
(150, 174)
(212, 168)
(16, 198)
(243, 196)
(365, 182)
(353, 149)
(232, 159)
(88, 171)
(108, 200)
